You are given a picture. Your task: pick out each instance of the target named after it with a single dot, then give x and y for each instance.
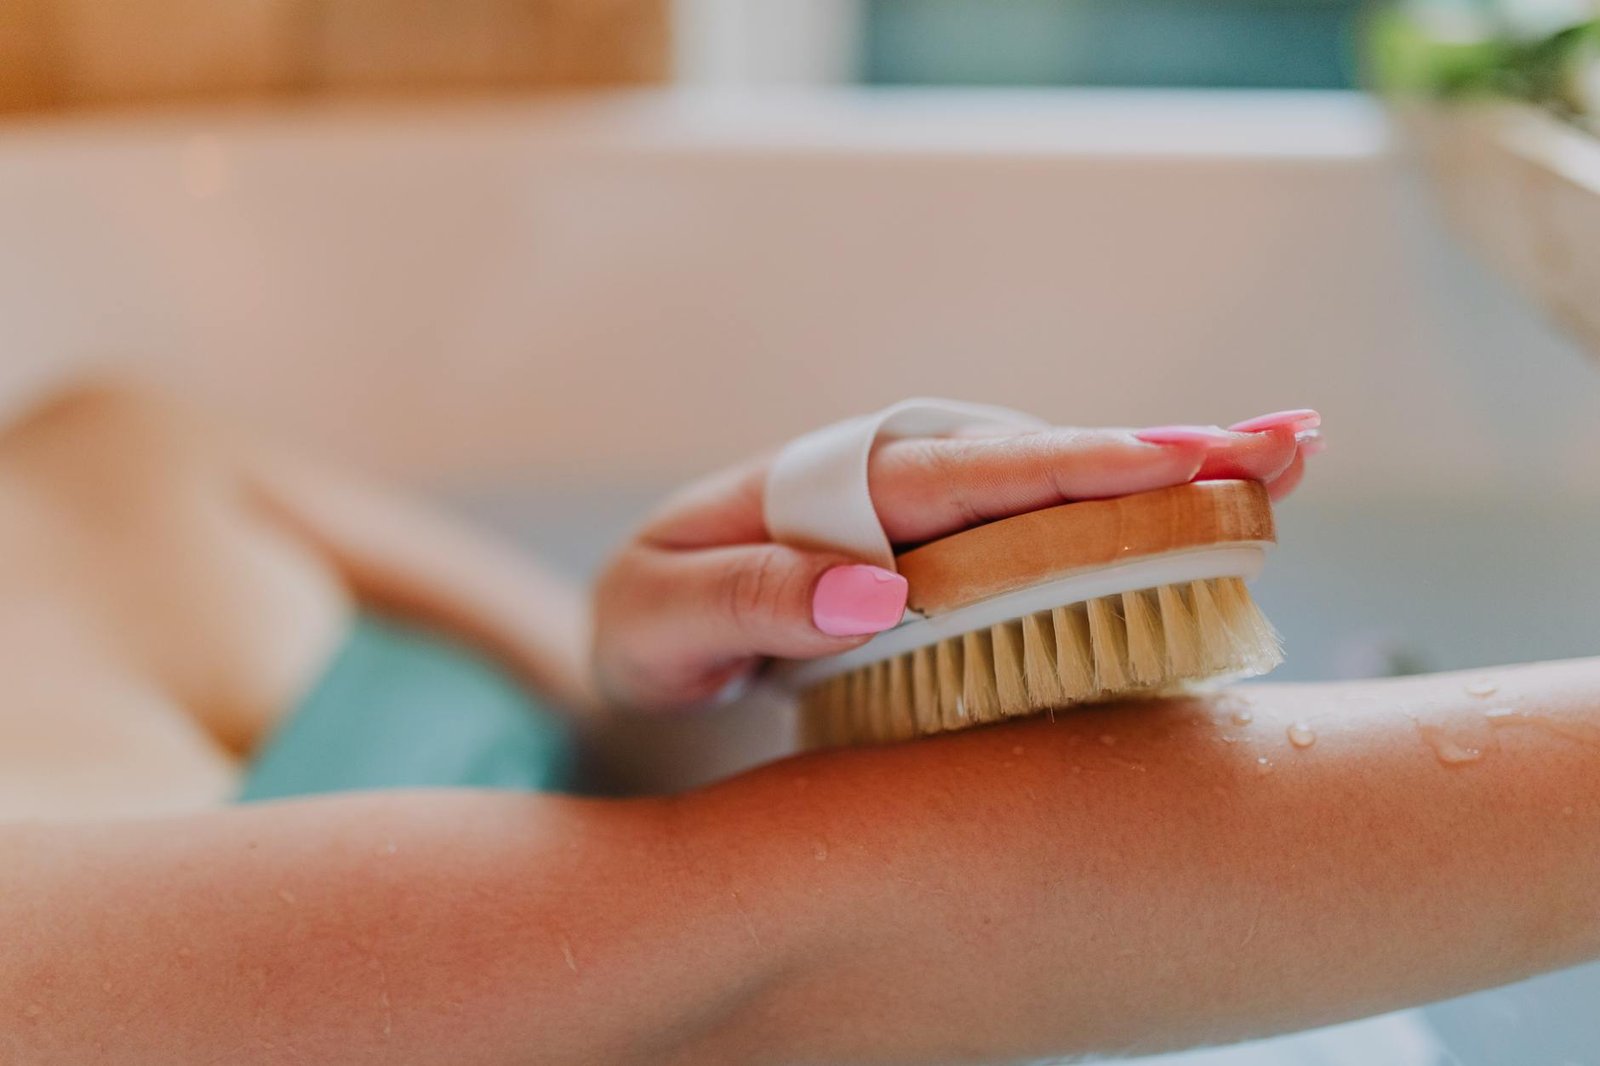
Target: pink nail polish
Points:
(1300, 418)
(851, 601)
(1182, 435)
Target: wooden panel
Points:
(420, 43)
(156, 49)
(27, 54)
(76, 52)
(1021, 551)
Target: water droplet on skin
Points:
(1242, 717)
(1302, 735)
(1500, 714)
(1482, 686)
(1454, 753)
(1107, 739)
(1449, 749)
(1263, 765)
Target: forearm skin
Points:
(1179, 872)
(1125, 878)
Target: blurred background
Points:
(546, 258)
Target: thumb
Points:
(684, 622)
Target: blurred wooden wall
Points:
(71, 53)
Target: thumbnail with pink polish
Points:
(851, 601)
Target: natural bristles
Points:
(1105, 649)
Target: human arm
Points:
(1134, 879)
(1018, 890)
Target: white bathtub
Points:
(552, 310)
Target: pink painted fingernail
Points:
(1300, 418)
(851, 601)
(1183, 435)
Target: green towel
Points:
(403, 707)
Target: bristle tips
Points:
(1116, 646)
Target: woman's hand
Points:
(701, 595)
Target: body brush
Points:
(1079, 603)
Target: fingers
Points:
(1308, 443)
(1285, 483)
(928, 487)
(1269, 440)
(1259, 456)
(675, 626)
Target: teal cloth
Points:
(403, 707)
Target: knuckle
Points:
(757, 591)
(948, 466)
